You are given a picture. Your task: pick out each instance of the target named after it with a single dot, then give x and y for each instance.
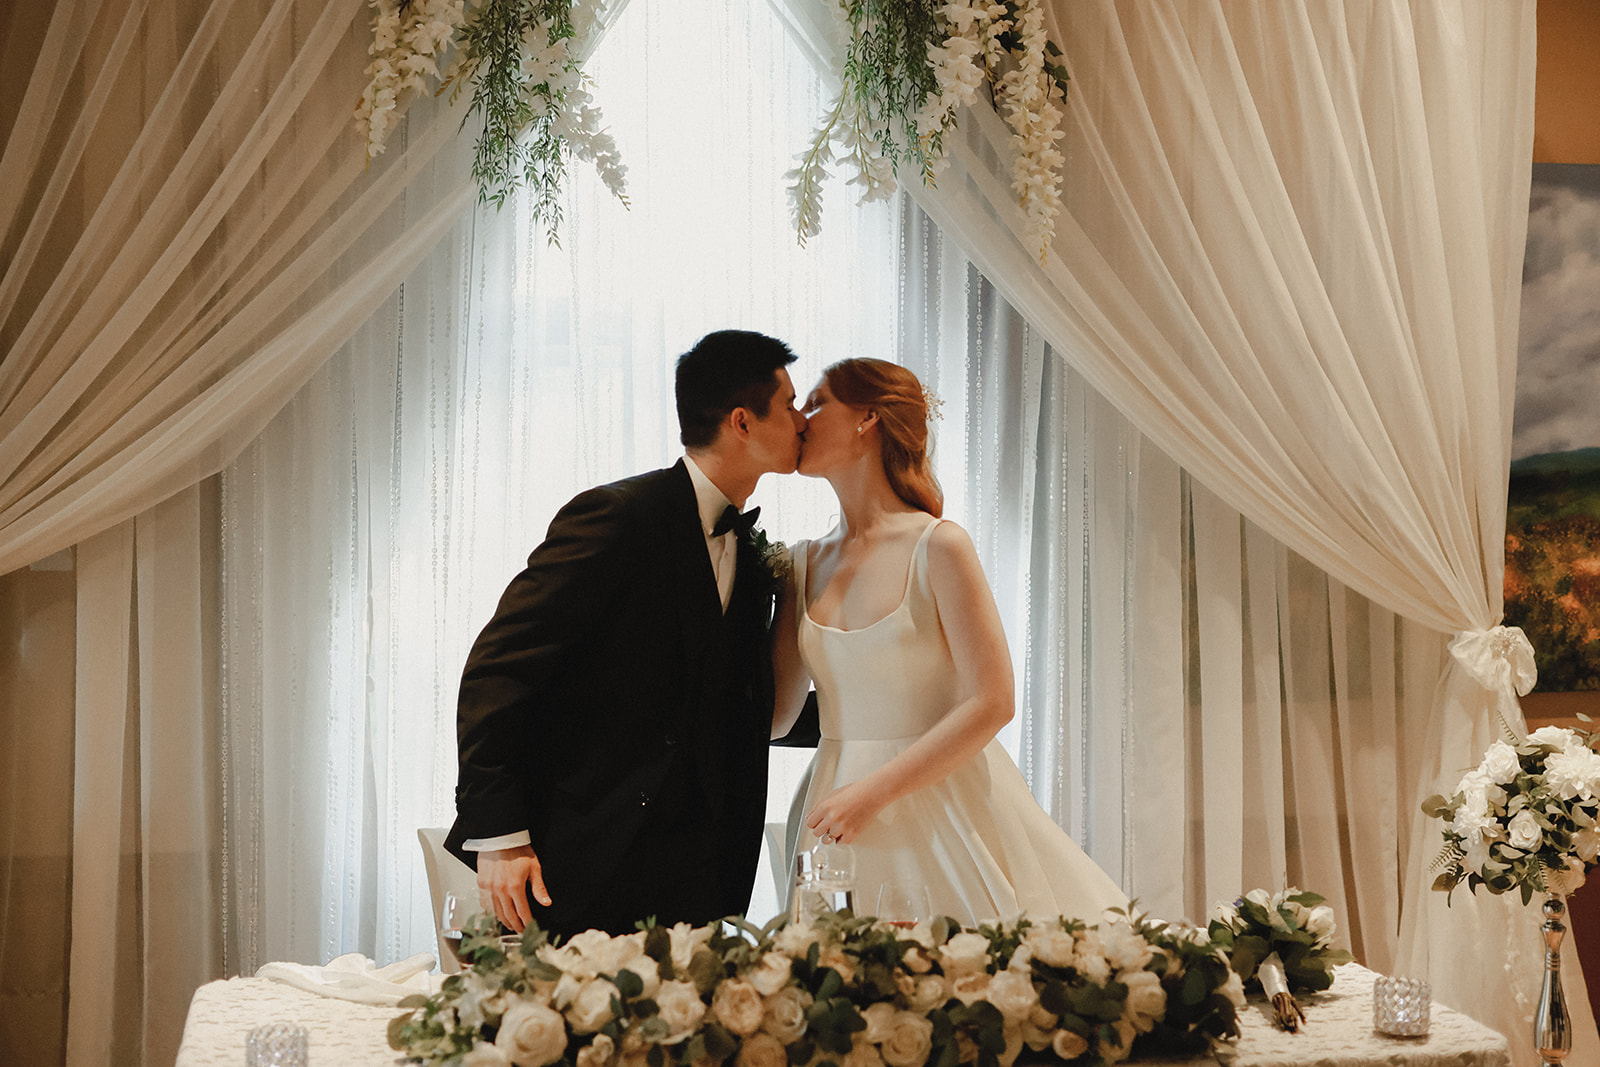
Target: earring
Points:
(860, 428)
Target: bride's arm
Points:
(791, 680)
(984, 693)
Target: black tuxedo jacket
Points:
(613, 710)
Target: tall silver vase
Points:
(1552, 1027)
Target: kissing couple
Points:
(614, 714)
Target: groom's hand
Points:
(505, 876)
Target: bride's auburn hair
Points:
(897, 397)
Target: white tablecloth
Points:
(1338, 1030)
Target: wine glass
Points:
(903, 905)
(453, 918)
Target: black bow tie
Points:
(733, 519)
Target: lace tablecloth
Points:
(1338, 1030)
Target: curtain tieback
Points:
(1499, 658)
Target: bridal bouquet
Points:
(1526, 819)
(847, 991)
(1284, 942)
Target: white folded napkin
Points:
(354, 977)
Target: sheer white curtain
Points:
(1290, 252)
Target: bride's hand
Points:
(846, 811)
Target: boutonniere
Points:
(774, 557)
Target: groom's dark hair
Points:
(726, 370)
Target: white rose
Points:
(836, 958)
(738, 1006)
(566, 989)
(1117, 1051)
(485, 1055)
(1125, 948)
(681, 1009)
(793, 940)
(647, 971)
(1068, 1045)
(598, 1053)
(1586, 843)
(1012, 992)
(1500, 763)
(1233, 988)
(1558, 736)
(1014, 1045)
(785, 1015)
(970, 988)
(531, 1035)
(1524, 831)
(965, 953)
(771, 974)
(1320, 923)
(909, 1042)
(1089, 959)
(591, 1008)
(929, 991)
(878, 1018)
(862, 1054)
(1261, 897)
(916, 961)
(1225, 913)
(685, 939)
(1051, 945)
(762, 1050)
(1147, 1001)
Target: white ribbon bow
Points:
(1499, 658)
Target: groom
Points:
(614, 714)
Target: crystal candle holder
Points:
(1400, 1006)
(276, 1045)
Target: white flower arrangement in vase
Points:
(1526, 819)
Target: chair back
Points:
(445, 872)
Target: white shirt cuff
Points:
(489, 844)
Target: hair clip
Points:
(931, 401)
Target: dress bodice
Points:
(896, 675)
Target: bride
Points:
(889, 614)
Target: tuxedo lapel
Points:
(698, 603)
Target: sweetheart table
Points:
(1338, 1030)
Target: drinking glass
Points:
(903, 905)
(453, 921)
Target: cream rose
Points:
(1524, 831)
(796, 939)
(836, 958)
(785, 1014)
(762, 1050)
(684, 940)
(1320, 923)
(1116, 1052)
(681, 1009)
(929, 991)
(909, 1042)
(971, 988)
(598, 1053)
(1068, 1045)
(1126, 949)
(1089, 958)
(965, 953)
(1012, 992)
(531, 1035)
(1147, 1001)
(591, 1008)
(771, 974)
(737, 1005)
(485, 1055)
(1500, 763)
(916, 960)
(879, 1018)
(862, 1054)
(1050, 945)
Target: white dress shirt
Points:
(724, 553)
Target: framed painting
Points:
(1552, 583)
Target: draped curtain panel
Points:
(1290, 253)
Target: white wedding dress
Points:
(977, 840)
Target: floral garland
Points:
(1526, 819)
(520, 58)
(847, 991)
(908, 67)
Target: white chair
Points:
(445, 873)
